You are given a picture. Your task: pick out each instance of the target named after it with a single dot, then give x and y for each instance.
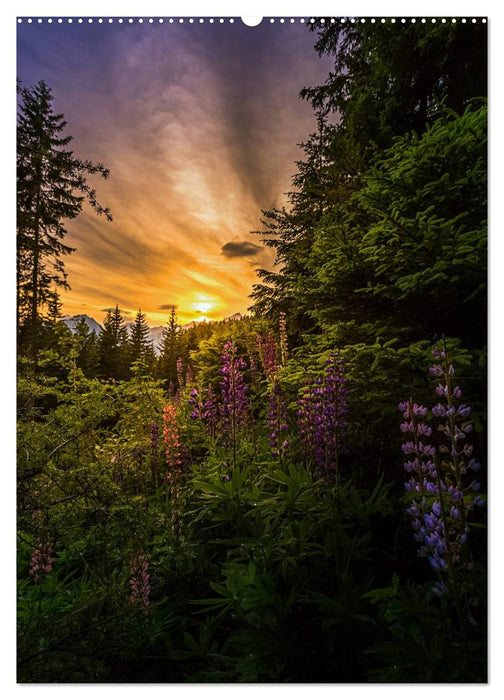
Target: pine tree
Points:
(51, 189)
(113, 347)
(54, 307)
(170, 350)
(139, 344)
(88, 357)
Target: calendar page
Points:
(251, 296)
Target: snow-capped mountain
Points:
(156, 335)
(72, 321)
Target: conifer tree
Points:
(113, 347)
(388, 80)
(51, 189)
(139, 344)
(170, 350)
(86, 341)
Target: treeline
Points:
(119, 350)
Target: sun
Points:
(202, 307)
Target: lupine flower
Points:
(277, 421)
(171, 437)
(205, 410)
(235, 402)
(41, 561)
(321, 417)
(442, 499)
(282, 328)
(174, 461)
(268, 354)
(139, 581)
(234, 409)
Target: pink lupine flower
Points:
(171, 437)
(268, 354)
(139, 581)
(41, 561)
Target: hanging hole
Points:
(251, 21)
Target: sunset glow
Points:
(199, 128)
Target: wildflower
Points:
(277, 420)
(174, 462)
(171, 437)
(442, 497)
(205, 410)
(321, 417)
(41, 561)
(268, 354)
(139, 581)
(282, 327)
(235, 402)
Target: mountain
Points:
(156, 335)
(72, 321)
(234, 317)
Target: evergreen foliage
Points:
(51, 189)
(170, 350)
(113, 346)
(140, 347)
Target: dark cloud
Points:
(113, 308)
(240, 249)
(168, 306)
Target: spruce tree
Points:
(51, 189)
(139, 343)
(170, 350)
(113, 347)
(86, 342)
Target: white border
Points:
(147, 8)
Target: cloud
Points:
(199, 130)
(240, 249)
(112, 309)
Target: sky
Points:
(199, 125)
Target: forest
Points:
(299, 496)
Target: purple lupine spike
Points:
(442, 497)
(235, 402)
(268, 354)
(321, 414)
(205, 410)
(277, 421)
(234, 409)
